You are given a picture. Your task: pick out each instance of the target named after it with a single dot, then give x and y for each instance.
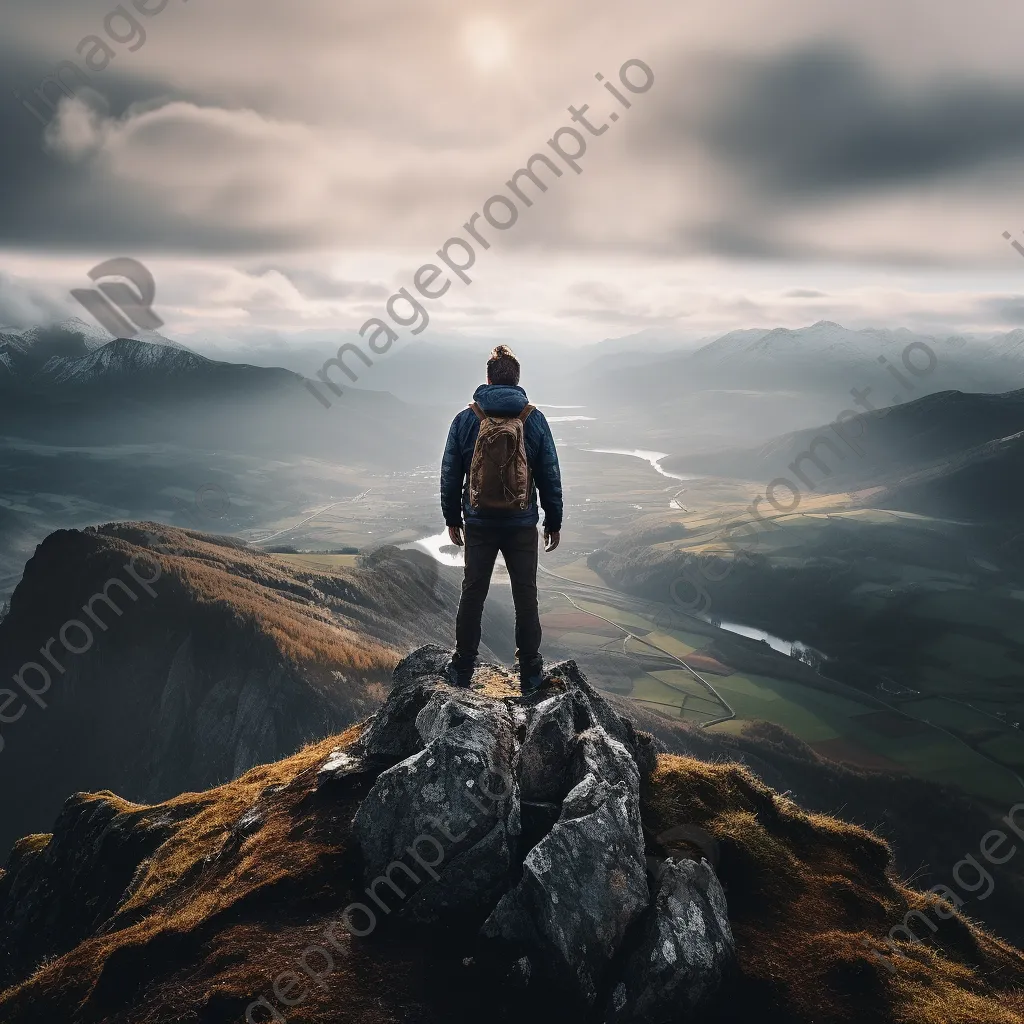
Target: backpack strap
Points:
(479, 412)
(525, 414)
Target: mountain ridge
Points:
(894, 440)
(235, 658)
(201, 907)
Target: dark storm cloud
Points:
(46, 202)
(750, 158)
(821, 121)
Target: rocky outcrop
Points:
(450, 801)
(559, 880)
(584, 883)
(520, 816)
(684, 950)
(504, 824)
(58, 889)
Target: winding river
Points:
(654, 458)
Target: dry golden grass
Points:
(220, 910)
(810, 897)
(197, 878)
(31, 844)
(302, 615)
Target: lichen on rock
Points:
(565, 896)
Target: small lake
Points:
(433, 544)
(775, 642)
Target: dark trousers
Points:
(519, 545)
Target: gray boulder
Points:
(521, 816)
(547, 750)
(585, 882)
(443, 821)
(685, 950)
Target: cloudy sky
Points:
(287, 166)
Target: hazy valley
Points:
(850, 635)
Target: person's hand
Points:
(551, 540)
(455, 533)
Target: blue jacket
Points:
(501, 400)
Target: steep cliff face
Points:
(475, 854)
(152, 661)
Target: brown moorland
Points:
(236, 658)
(248, 876)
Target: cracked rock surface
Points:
(522, 816)
(683, 951)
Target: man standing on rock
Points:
(500, 454)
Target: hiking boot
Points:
(531, 683)
(531, 676)
(458, 676)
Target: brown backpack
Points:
(499, 475)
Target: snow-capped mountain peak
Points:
(75, 351)
(122, 357)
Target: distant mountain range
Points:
(125, 358)
(825, 358)
(831, 343)
(67, 383)
(73, 353)
(824, 340)
(648, 371)
(94, 429)
(40, 354)
(949, 454)
(759, 380)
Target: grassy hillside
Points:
(920, 615)
(231, 657)
(239, 884)
(885, 442)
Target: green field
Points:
(844, 726)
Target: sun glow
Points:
(487, 43)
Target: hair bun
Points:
(501, 352)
